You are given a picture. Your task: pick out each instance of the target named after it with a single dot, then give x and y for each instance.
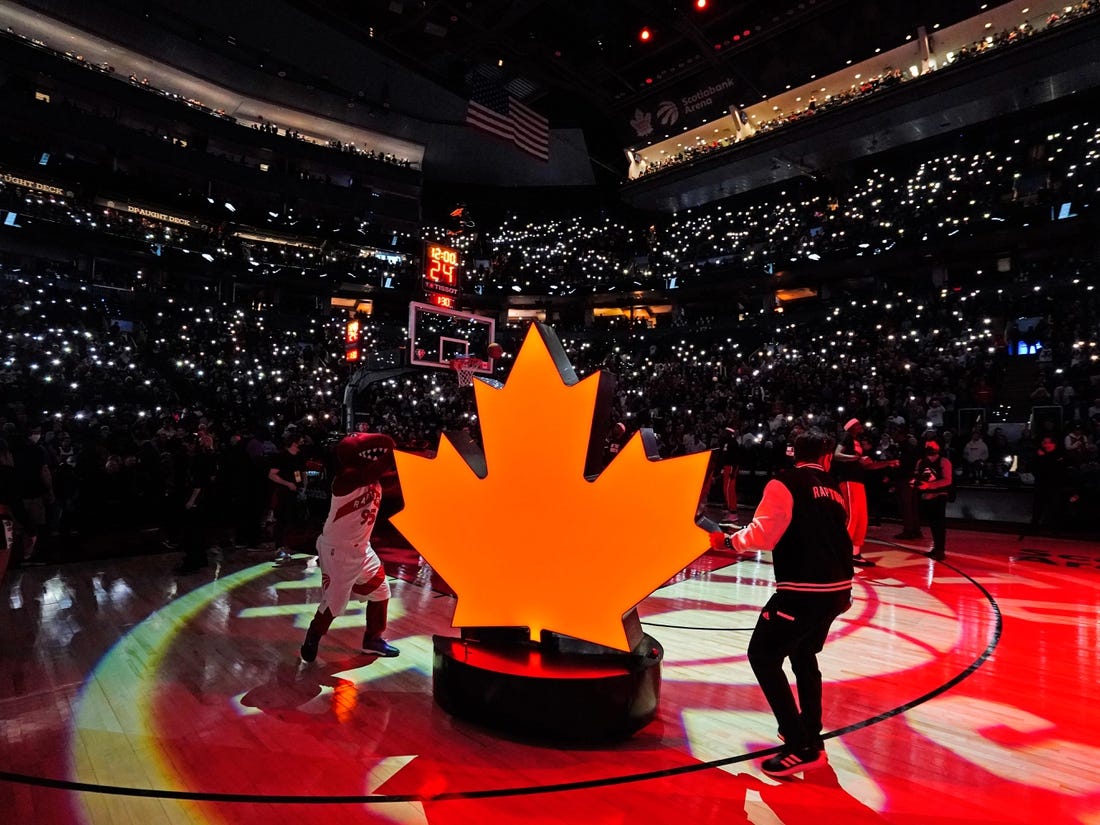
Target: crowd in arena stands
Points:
(321, 247)
(867, 86)
(872, 85)
(1010, 180)
(385, 157)
(126, 378)
(124, 390)
(909, 359)
(121, 391)
(1007, 181)
(261, 123)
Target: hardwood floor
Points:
(954, 692)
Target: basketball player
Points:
(349, 565)
(850, 467)
(803, 520)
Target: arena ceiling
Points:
(578, 61)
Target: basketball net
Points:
(465, 368)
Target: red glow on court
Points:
(926, 715)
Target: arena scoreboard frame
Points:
(441, 279)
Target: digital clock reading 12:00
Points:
(440, 268)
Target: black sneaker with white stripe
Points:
(791, 760)
(817, 743)
(379, 647)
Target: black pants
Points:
(794, 626)
(935, 513)
(193, 532)
(250, 509)
(1047, 506)
(285, 507)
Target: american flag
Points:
(493, 110)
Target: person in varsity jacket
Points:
(349, 565)
(802, 519)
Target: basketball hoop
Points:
(466, 367)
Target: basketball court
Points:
(954, 692)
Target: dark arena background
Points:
(229, 235)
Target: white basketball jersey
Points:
(351, 517)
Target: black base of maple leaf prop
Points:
(560, 690)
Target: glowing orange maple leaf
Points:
(534, 543)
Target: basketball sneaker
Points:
(859, 560)
(308, 651)
(817, 743)
(790, 760)
(379, 647)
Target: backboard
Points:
(437, 335)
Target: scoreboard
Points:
(351, 340)
(441, 275)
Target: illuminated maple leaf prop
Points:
(524, 537)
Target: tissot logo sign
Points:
(687, 105)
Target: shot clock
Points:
(441, 275)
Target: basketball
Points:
(495, 351)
